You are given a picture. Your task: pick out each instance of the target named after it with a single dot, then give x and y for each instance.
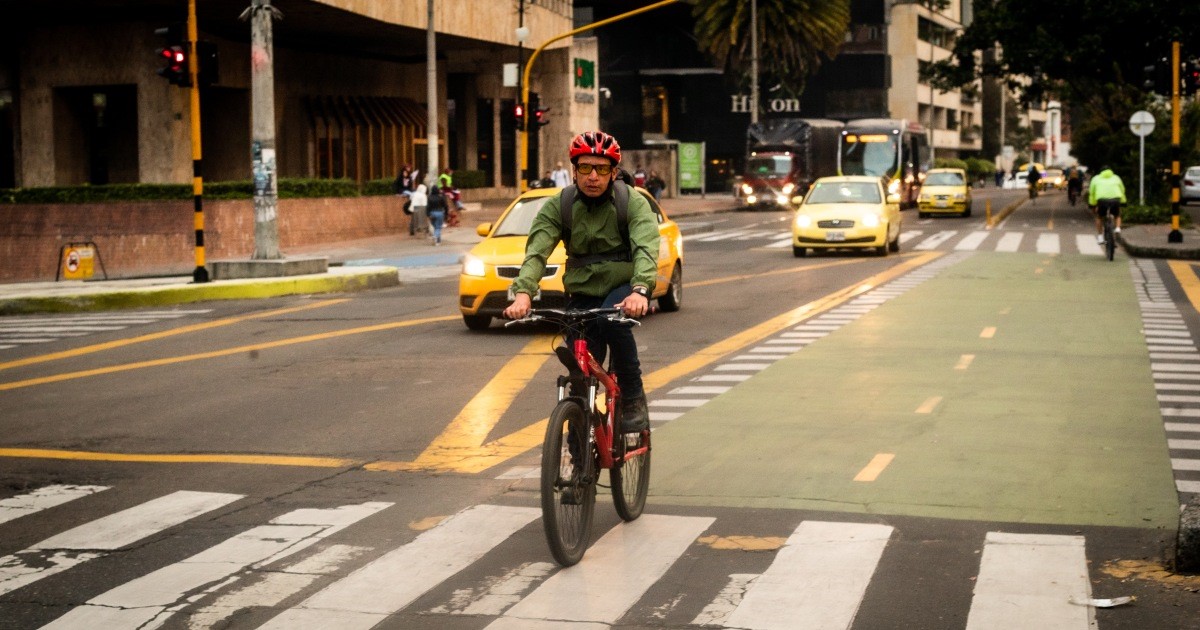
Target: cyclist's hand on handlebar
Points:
(519, 308)
(634, 305)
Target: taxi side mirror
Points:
(483, 229)
(893, 198)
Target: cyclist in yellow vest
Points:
(1106, 193)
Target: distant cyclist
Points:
(1033, 177)
(1106, 193)
(605, 268)
(1074, 183)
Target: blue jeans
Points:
(437, 218)
(602, 335)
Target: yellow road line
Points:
(872, 470)
(964, 361)
(469, 430)
(470, 460)
(271, 460)
(738, 278)
(66, 354)
(514, 444)
(929, 405)
(1185, 274)
(221, 353)
(987, 333)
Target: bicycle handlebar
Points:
(566, 316)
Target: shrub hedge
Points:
(289, 188)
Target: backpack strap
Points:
(566, 199)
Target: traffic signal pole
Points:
(523, 135)
(200, 273)
(1175, 236)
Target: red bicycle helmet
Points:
(596, 143)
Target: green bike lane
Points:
(1009, 387)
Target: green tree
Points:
(1088, 53)
(794, 37)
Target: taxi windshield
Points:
(944, 179)
(844, 192)
(518, 220)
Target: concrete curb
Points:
(1153, 251)
(354, 279)
(1187, 541)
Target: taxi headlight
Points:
(894, 187)
(473, 266)
(960, 197)
(747, 189)
(803, 221)
(870, 220)
(751, 199)
(924, 197)
(781, 199)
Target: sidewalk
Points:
(356, 265)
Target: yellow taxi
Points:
(1053, 178)
(490, 267)
(847, 212)
(945, 191)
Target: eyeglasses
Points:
(586, 169)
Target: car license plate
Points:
(941, 203)
(835, 236)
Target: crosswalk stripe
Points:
(972, 241)
(1048, 244)
(1087, 245)
(43, 498)
(1029, 581)
(275, 586)
(91, 540)
(817, 579)
(153, 598)
(601, 589)
(937, 239)
(1010, 242)
(367, 596)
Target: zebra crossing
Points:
(930, 239)
(22, 331)
(1175, 368)
(294, 572)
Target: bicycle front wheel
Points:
(568, 483)
(631, 480)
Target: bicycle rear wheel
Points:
(568, 483)
(1110, 241)
(631, 480)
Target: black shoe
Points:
(635, 415)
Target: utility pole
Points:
(754, 62)
(522, 34)
(1175, 236)
(200, 273)
(431, 130)
(262, 117)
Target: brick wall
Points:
(157, 238)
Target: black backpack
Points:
(566, 199)
(435, 201)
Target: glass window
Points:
(844, 192)
(518, 221)
(944, 179)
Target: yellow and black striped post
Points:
(1175, 236)
(200, 274)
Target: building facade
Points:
(81, 100)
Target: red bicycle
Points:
(581, 439)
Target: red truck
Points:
(784, 156)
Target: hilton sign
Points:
(740, 104)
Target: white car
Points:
(1020, 182)
(1189, 188)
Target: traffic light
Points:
(206, 57)
(519, 116)
(1191, 77)
(174, 55)
(539, 112)
(1157, 78)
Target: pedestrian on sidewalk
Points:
(561, 177)
(437, 214)
(420, 200)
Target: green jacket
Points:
(593, 231)
(1106, 185)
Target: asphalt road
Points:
(967, 434)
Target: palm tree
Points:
(793, 37)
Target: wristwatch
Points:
(642, 291)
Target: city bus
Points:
(896, 149)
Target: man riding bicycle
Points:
(1074, 182)
(604, 270)
(1106, 193)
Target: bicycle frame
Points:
(604, 431)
